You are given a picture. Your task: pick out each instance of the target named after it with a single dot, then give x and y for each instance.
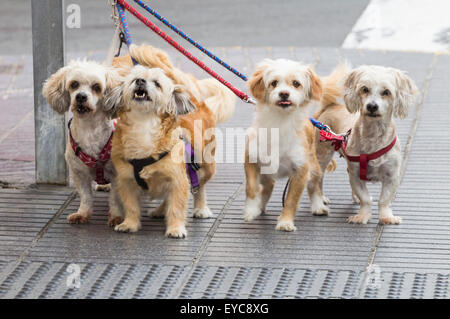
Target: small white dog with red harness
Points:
(81, 86)
(373, 95)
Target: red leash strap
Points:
(173, 43)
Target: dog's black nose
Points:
(284, 95)
(81, 97)
(372, 107)
(140, 82)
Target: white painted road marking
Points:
(405, 25)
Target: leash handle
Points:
(121, 4)
(190, 40)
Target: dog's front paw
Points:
(286, 225)
(204, 212)
(359, 219)
(252, 208)
(177, 232)
(390, 220)
(128, 226)
(78, 218)
(114, 220)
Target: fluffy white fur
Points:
(81, 86)
(284, 90)
(373, 95)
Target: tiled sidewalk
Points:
(225, 256)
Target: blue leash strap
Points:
(190, 40)
(319, 125)
(125, 29)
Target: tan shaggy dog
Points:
(154, 114)
(284, 90)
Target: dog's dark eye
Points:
(296, 84)
(74, 85)
(365, 89)
(274, 83)
(96, 88)
(157, 84)
(386, 93)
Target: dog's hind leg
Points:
(160, 211)
(115, 216)
(253, 202)
(267, 187)
(321, 162)
(201, 209)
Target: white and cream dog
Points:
(81, 87)
(284, 89)
(373, 95)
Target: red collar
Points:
(98, 164)
(363, 159)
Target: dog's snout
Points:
(81, 97)
(372, 107)
(140, 82)
(284, 95)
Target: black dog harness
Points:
(191, 166)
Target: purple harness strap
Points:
(191, 166)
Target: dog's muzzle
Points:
(140, 91)
(81, 101)
(284, 100)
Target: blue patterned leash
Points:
(190, 40)
(125, 29)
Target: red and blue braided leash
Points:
(190, 40)
(121, 4)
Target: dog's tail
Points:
(218, 98)
(331, 90)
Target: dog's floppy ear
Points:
(180, 102)
(406, 94)
(112, 101)
(54, 90)
(351, 91)
(315, 88)
(256, 81)
(113, 93)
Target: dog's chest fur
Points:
(142, 137)
(289, 147)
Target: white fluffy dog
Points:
(81, 87)
(284, 90)
(373, 95)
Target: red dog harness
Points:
(340, 141)
(98, 164)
